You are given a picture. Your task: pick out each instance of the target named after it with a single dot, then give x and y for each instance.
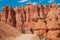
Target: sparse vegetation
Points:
(23, 31)
(42, 37)
(31, 30)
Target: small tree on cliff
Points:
(31, 30)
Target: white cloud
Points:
(34, 3)
(58, 3)
(51, 1)
(22, 1)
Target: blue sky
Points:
(15, 3)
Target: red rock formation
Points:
(41, 11)
(4, 13)
(0, 16)
(51, 20)
(7, 31)
(18, 18)
(47, 9)
(58, 16)
(11, 17)
(54, 35)
(27, 12)
(41, 18)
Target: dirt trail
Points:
(8, 32)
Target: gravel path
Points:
(27, 37)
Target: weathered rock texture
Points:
(8, 32)
(40, 19)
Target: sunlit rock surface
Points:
(30, 19)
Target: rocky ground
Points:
(6, 31)
(27, 37)
(10, 33)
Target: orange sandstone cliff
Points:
(40, 19)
